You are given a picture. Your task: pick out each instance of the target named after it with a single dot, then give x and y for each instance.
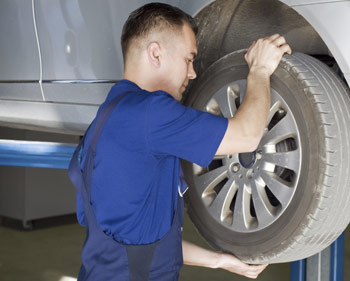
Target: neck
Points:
(138, 82)
(140, 78)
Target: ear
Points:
(154, 53)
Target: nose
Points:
(191, 72)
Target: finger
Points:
(279, 41)
(262, 266)
(249, 50)
(273, 37)
(257, 269)
(285, 48)
(252, 275)
(251, 46)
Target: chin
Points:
(179, 96)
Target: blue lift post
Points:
(337, 259)
(58, 155)
(298, 270)
(336, 263)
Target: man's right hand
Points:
(266, 53)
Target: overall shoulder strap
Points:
(74, 171)
(102, 118)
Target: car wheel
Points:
(290, 198)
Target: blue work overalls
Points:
(105, 259)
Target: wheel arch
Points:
(229, 25)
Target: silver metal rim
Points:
(248, 192)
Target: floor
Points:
(51, 252)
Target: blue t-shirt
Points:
(136, 173)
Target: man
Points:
(133, 205)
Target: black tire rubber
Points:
(320, 208)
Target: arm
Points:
(246, 128)
(194, 255)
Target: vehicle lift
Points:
(327, 265)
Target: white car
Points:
(285, 201)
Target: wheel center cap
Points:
(248, 159)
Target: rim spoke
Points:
(239, 88)
(220, 208)
(222, 98)
(289, 160)
(274, 107)
(282, 130)
(241, 212)
(206, 182)
(219, 157)
(261, 204)
(278, 188)
(237, 91)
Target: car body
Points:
(60, 58)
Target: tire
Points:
(290, 198)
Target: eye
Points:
(188, 61)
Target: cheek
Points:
(176, 75)
(182, 73)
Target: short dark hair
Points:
(150, 17)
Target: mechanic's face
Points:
(178, 68)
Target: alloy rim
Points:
(247, 192)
